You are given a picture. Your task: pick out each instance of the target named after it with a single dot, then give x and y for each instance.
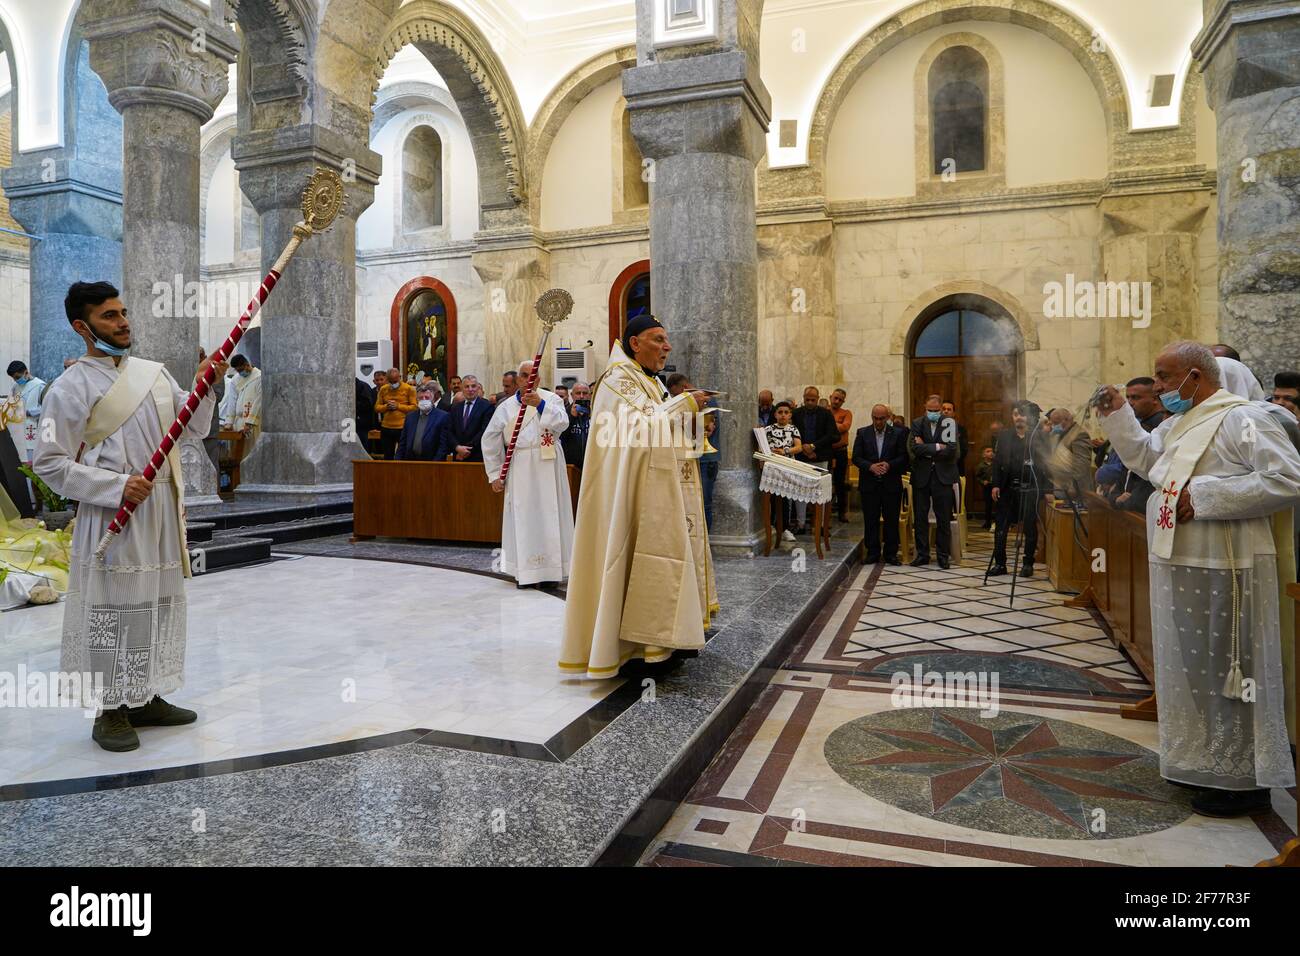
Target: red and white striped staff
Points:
(553, 307)
(321, 202)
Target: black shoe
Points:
(113, 731)
(1027, 570)
(997, 570)
(893, 562)
(1229, 803)
(985, 527)
(159, 713)
(919, 562)
(943, 564)
(873, 559)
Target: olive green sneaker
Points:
(113, 731)
(159, 713)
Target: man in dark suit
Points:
(469, 419)
(452, 394)
(933, 449)
(880, 452)
(425, 436)
(817, 435)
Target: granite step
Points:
(284, 532)
(197, 532)
(223, 553)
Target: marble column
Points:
(308, 338)
(702, 120)
(1250, 53)
(164, 63)
(513, 277)
(75, 208)
(1150, 239)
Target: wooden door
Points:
(982, 387)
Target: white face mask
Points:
(424, 404)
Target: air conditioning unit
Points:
(574, 365)
(374, 356)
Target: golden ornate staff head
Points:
(322, 201)
(553, 307)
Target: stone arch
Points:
(904, 324)
(561, 102)
(1126, 148)
(474, 74)
(13, 63)
(278, 39)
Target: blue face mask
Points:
(246, 372)
(109, 349)
(933, 416)
(23, 379)
(1058, 429)
(1173, 401)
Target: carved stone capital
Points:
(169, 52)
(274, 166)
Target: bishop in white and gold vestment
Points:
(642, 584)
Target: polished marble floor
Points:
(434, 799)
(827, 769)
(311, 651)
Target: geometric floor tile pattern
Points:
(842, 762)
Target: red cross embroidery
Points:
(547, 439)
(1170, 492)
(1166, 517)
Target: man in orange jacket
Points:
(393, 403)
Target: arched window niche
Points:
(960, 129)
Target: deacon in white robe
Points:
(1225, 475)
(241, 408)
(537, 523)
(22, 410)
(125, 617)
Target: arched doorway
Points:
(967, 349)
(422, 323)
(629, 297)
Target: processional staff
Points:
(321, 202)
(553, 307)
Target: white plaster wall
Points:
(803, 40)
(15, 301)
(379, 227)
(1055, 125)
(577, 181)
(219, 216)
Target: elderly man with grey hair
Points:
(425, 435)
(1226, 479)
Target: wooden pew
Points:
(1067, 562)
(1121, 590)
(433, 500)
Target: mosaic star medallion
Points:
(1014, 773)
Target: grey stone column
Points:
(1250, 53)
(308, 335)
(75, 208)
(702, 120)
(164, 63)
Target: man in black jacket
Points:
(933, 449)
(817, 433)
(1015, 499)
(880, 452)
